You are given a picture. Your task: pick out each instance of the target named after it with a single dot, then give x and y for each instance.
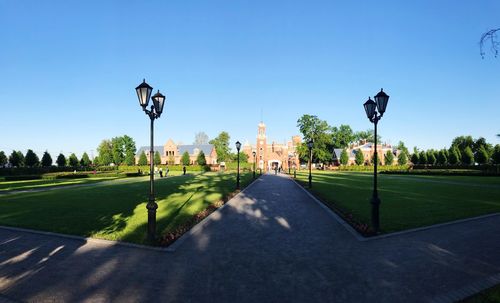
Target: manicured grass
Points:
(41, 183)
(116, 210)
(491, 295)
(407, 201)
(46, 183)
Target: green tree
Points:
(143, 159)
(317, 130)
(342, 136)
(200, 159)
(14, 159)
(415, 158)
(496, 154)
(3, 159)
(130, 150)
(455, 156)
(389, 158)
(21, 158)
(481, 143)
(117, 150)
(185, 158)
(431, 158)
(243, 157)
(105, 151)
(344, 157)
(377, 157)
(73, 160)
(157, 158)
(221, 144)
(401, 146)
(85, 160)
(402, 158)
(359, 158)
(422, 157)
(467, 156)
(462, 142)
(367, 135)
(31, 159)
(46, 159)
(482, 156)
(61, 160)
(442, 159)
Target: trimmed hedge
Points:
(380, 168)
(443, 172)
(22, 177)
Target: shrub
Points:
(22, 177)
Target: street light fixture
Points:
(310, 145)
(144, 94)
(371, 108)
(254, 162)
(238, 147)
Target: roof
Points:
(146, 150)
(206, 148)
(338, 151)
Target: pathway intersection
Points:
(271, 243)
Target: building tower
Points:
(261, 145)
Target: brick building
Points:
(368, 150)
(272, 155)
(171, 153)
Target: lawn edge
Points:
(360, 237)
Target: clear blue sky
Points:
(68, 69)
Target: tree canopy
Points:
(31, 159)
(185, 158)
(61, 160)
(221, 144)
(46, 159)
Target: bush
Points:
(22, 177)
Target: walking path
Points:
(271, 243)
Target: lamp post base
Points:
(152, 206)
(375, 202)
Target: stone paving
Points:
(271, 243)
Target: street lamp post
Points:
(371, 108)
(144, 94)
(254, 161)
(238, 146)
(310, 145)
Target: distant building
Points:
(171, 153)
(273, 155)
(368, 150)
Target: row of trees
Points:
(464, 150)
(31, 159)
(185, 159)
(118, 150)
(326, 138)
(389, 158)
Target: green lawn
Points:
(407, 201)
(116, 210)
(41, 183)
(46, 183)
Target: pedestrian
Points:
(166, 172)
(161, 173)
(184, 169)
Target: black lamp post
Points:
(310, 145)
(144, 94)
(254, 162)
(371, 107)
(238, 146)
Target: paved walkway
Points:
(272, 243)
